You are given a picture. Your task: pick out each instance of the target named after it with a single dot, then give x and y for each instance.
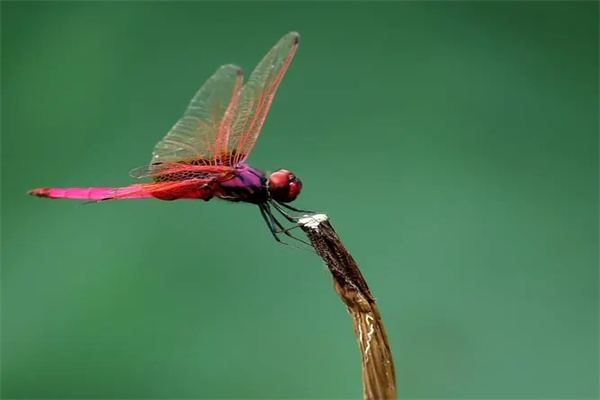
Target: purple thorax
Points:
(249, 185)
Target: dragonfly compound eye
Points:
(284, 186)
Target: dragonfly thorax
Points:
(284, 186)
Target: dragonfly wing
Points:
(204, 129)
(179, 171)
(257, 96)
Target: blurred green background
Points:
(454, 146)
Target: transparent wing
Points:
(204, 130)
(257, 96)
(179, 170)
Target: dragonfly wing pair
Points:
(222, 122)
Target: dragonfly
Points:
(204, 154)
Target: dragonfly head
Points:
(284, 186)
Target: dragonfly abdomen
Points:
(92, 193)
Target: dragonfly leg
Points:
(269, 224)
(285, 214)
(296, 209)
(277, 228)
(286, 231)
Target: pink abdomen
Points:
(93, 193)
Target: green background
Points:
(454, 146)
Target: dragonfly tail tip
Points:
(38, 192)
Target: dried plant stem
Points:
(379, 378)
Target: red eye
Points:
(284, 186)
(295, 188)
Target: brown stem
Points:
(379, 378)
